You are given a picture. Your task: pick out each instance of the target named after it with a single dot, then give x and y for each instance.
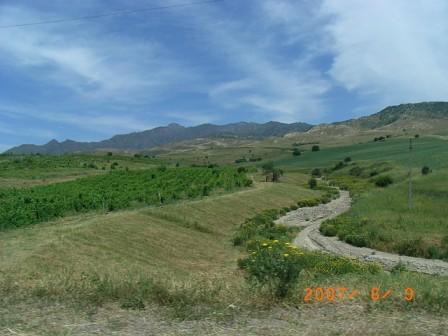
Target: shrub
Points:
(413, 248)
(296, 152)
(384, 181)
(273, 265)
(356, 240)
(315, 148)
(312, 183)
(356, 171)
(261, 226)
(348, 159)
(316, 172)
(338, 166)
(426, 170)
(241, 170)
(328, 230)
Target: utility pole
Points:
(410, 176)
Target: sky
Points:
(218, 62)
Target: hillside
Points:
(165, 135)
(405, 119)
(426, 113)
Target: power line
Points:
(114, 13)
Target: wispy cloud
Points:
(281, 88)
(92, 65)
(103, 123)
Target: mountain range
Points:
(425, 116)
(165, 135)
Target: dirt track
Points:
(310, 218)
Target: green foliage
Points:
(296, 152)
(274, 265)
(426, 170)
(261, 226)
(312, 183)
(383, 181)
(315, 148)
(116, 190)
(316, 172)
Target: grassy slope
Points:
(177, 239)
(382, 216)
(427, 151)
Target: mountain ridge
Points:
(164, 135)
(427, 116)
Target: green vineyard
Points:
(115, 190)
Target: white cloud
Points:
(390, 51)
(92, 65)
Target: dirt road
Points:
(310, 238)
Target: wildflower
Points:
(275, 241)
(270, 247)
(285, 254)
(264, 244)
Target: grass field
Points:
(429, 151)
(380, 218)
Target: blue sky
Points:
(228, 61)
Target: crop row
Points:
(115, 190)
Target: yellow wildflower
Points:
(264, 244)
(285, 254)
(275, 241)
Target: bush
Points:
(261, 226)
(338, 166)
(412, 248)
(356, 171)
(273, 265)
(328, 230)
(315, 148)
(312, 183)
(316, 172)
(296, 152)
(384, 181)
(426, 170)
(356, 240)
(348, 159)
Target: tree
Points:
(296, 152)
(426, 170)
(315, 148)
(312, 183)
(270, 170)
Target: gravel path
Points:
(310, 218)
